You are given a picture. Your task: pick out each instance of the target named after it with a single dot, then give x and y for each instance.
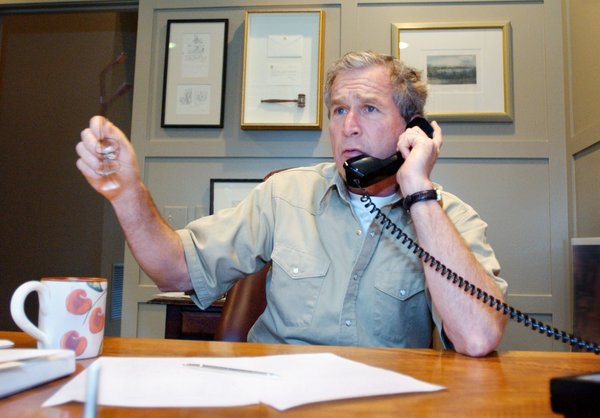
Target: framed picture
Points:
(586, 287)
(227, 193)
(194, 75)
(467, 66)
(282, 70)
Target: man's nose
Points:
(351, 124)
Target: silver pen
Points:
(231, 369)
(91, 392)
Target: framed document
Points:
(227, 193)
(194, 76)
(586, 287)
(282, 70)
(467, 66)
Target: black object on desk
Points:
(576, 396)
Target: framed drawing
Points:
(282, 70)
(467, 66)
(227, 193)
(194, 75)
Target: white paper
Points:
(155, 382)
(195, 55)
(6, 343)
(24, 354)
(23, 368)
(193, 99)
(174, 295)
(302, 379)
(308, 378)
(281, 46)
(287, 73)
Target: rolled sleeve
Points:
(225, 247)
(473, 229)
(203, 295)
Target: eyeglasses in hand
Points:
(108, 148)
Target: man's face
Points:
(363, 116)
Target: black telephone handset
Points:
(364, 170)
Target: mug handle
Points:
(17, 304)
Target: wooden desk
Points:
(185, 321)
(508, 384)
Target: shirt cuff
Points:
(202, 295)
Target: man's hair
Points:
(409, 90)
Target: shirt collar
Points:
(336, 182)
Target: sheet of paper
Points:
(175, 295)
(20, 354)
(23, 368)
(285, 46)
(301, 379)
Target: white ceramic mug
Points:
(71, 315)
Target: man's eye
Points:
(339, 111)
(370, 109)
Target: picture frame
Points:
(194, 73)
(227, 193)
(468, 67)
(282, 74)
(585, 254)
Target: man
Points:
(337, 278)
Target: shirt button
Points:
(348, 323)
(295, 270)
(358, 232)
(355, 277)
(402, 292)
(372, 234)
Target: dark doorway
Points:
(52, 223)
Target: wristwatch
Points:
(408, 201)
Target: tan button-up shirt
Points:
(330, 283)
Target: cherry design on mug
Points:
(71, 340)
(78, 303)
(96, 321)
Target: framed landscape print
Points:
(467, 66)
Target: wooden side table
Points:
(185, 321)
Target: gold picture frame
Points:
(468, 66)
(283, 70)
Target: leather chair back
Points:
(244, 303)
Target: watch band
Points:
(408, 201)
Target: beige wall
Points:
(583, 146)
(583, 117)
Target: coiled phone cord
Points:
(473, 290)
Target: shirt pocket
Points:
(401, 313)
(296, 281)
